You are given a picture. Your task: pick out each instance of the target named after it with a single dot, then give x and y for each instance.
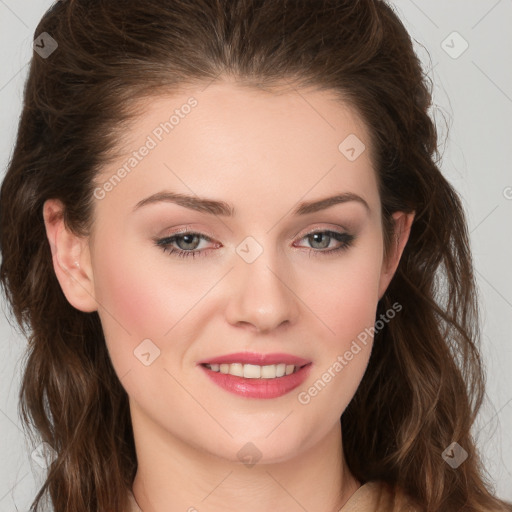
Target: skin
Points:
(263, 153)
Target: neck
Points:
(174, 476)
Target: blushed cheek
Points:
(129, 297)
(352, 315)
(143, 302)
(349, 306)
(135, 305)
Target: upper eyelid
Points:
(348, 228)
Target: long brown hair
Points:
(424, 384)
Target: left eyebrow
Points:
(224, 209)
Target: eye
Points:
(188, 242)
(324, 238)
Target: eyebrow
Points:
(224, 209)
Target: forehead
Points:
(233, 141)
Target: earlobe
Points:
(70, 257)
(403, 222)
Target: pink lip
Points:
(258, 388)
(258, 359)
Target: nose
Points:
(262, 296)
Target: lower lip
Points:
(259, 388)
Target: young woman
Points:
(245, 282)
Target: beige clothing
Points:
(370, 497)
(377, 496)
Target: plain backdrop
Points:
(466, 47)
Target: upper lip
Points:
(257, 359)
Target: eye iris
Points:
(320, 235)
(187, 237)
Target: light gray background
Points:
(473, 92)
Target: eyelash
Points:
(165, 243)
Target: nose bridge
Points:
(261, 289)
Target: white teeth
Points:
(237, 369)
(253, 371)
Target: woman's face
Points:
(253, 281)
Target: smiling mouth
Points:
(253, 371)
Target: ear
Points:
(71, 258)
(403, 222)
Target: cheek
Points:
(136, 303)
(143, 296)
(347, 305)
(130, 296)
(348, 300)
